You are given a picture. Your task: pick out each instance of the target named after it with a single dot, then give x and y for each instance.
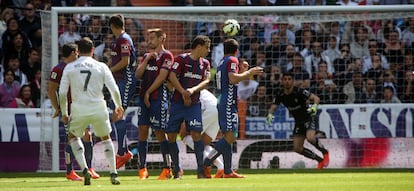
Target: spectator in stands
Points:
(341, 66)
(70, 35)
(274, 50)
(328, 93)
(82, 19)
(393, 48)
(9, 89)
(31, 64)
(354, 90)
(18, 49)
(286, 36)
(370, 90)
(6, 14)
(349, 31)
(31, 25)
(408, 34)
(347, 3)
(133, 25)
(300, 34)
(332, 52)
(334, 31)
(409, 87)
(300, 75)
(305, 45)
(259, 103)
(376, 71)
(24, 99)
(359, 46)
(35, 87)
(273, 80)
(367, 60)
(315, 57)
(321, 75)
(123, 3)
(12, 30)
(390, 81)
(62, 23)
(388, 96)
(95, 30)
(286, 60)
(14, 65)
(99, 50)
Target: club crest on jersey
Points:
(125, 48)
(167, 63)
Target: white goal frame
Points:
(223, 12)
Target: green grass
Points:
(257, 180)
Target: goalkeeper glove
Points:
(313, 109)
(269, 118)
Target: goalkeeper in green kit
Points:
(296, 101)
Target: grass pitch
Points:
(257, 180)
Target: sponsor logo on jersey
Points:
(151, 68)
(195, 123)
(191, 75)
(175, 65)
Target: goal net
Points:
(345, 56)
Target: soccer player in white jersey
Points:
(86, 78)
(210, 128)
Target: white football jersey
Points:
(86, 78)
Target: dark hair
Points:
(117, 20)
(288, 73)
(389, 88)
(7, 71)
(200, 40)
(85, 45)
(21, 90)
(68, 48)
(230, 46)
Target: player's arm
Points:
(202, 85)
(51, 93)
(116, 96)
(121, 64)
(162, 76)
(172, 78)
(63, 92)
(244, 73)
(139, 72)
(271, 111)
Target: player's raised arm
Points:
(238, 77)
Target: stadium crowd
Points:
(342, 62)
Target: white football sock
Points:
(78, 152)
(109, 152)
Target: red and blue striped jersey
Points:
(190, 73)
(228, 91)
(164, 60)
(123, 46)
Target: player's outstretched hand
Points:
(313, 109)
(269, 118)
(118, 114)
(256, 70)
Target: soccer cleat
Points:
(206, 173)
(73, 176)
(326, 159)
(114, 179)
(165, 174)
(86, 177)
(219, 173)
(320, 165)
(143, 173)
(233, 175)
(121, 160)
(94, 174)
(178, 175)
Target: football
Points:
(231, 27)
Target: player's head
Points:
(156, 38)
(287, 80)
(231, 46)
(70, 51)
(201, 44)
(117, 23)
(85, 46)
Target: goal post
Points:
(181, 25)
